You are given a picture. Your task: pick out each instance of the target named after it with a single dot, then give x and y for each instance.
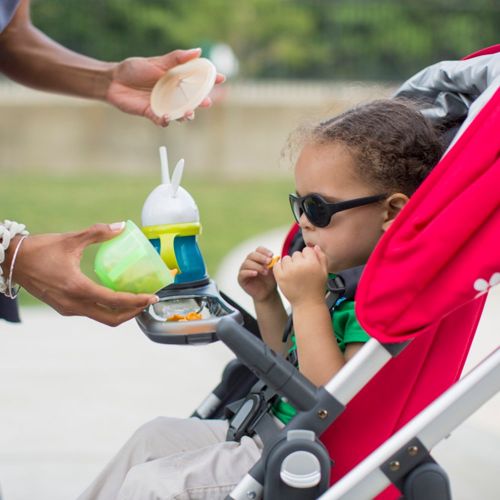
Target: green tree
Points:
(331, 39)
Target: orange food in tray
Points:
(192, 316)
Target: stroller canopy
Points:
(427, 278)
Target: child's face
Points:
(329, 170)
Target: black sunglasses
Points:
(319, 212)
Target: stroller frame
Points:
(402, 459)
(396, 458)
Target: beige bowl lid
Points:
(183, 88)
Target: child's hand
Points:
(255, 277)
(302, 277)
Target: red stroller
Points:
(420, 298)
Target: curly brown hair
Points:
(393, 145)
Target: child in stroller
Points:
(362, 167)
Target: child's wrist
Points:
(272, 298)
(309, 304)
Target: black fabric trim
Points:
(9, 310)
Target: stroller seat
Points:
(422, 292)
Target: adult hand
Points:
(48, 267)
(133, 79)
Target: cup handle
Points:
(167, 252)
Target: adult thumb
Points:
(176, 57)
(101, 232)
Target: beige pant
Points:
(171, 458)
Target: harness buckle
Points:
(243, 422)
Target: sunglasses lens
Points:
(296, 208)
(316, 211)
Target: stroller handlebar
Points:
(270, 367)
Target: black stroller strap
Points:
(250, 415)
(350, 278)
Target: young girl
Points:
(353, 176)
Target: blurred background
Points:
(67, 163)
(74, 390)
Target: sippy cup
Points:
(171, 222)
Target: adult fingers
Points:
(99, 232)
(176, 57)
(85, 289)
(161, 121)
(188, 115)
(110, 317)
(206, 103)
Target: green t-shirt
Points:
(347, 330)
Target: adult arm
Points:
(31, 58)
(48, 267)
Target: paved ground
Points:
(72, 391)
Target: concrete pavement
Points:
(72, 391)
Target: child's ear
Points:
(393, 206)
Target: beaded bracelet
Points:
(8, 230)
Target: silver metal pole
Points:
(355, 374)
(430, 426)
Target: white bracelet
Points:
(12, 294)
(8, 230)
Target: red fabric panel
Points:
(444, 240)
(420, 280)
(289, 238)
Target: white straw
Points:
(165, 175)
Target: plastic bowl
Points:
(129, 263)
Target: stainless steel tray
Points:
(204, 299)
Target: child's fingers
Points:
(248, 273)
(282, 264)
(298, 256)
(264, 251)
(259, 257)
(321, 256)
(253, 265)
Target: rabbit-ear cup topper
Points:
(162, 207)
(169, 203)
(183, 88)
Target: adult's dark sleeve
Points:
(9, 310)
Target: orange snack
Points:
(274, 260)
(192, 316)
(175, 317)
